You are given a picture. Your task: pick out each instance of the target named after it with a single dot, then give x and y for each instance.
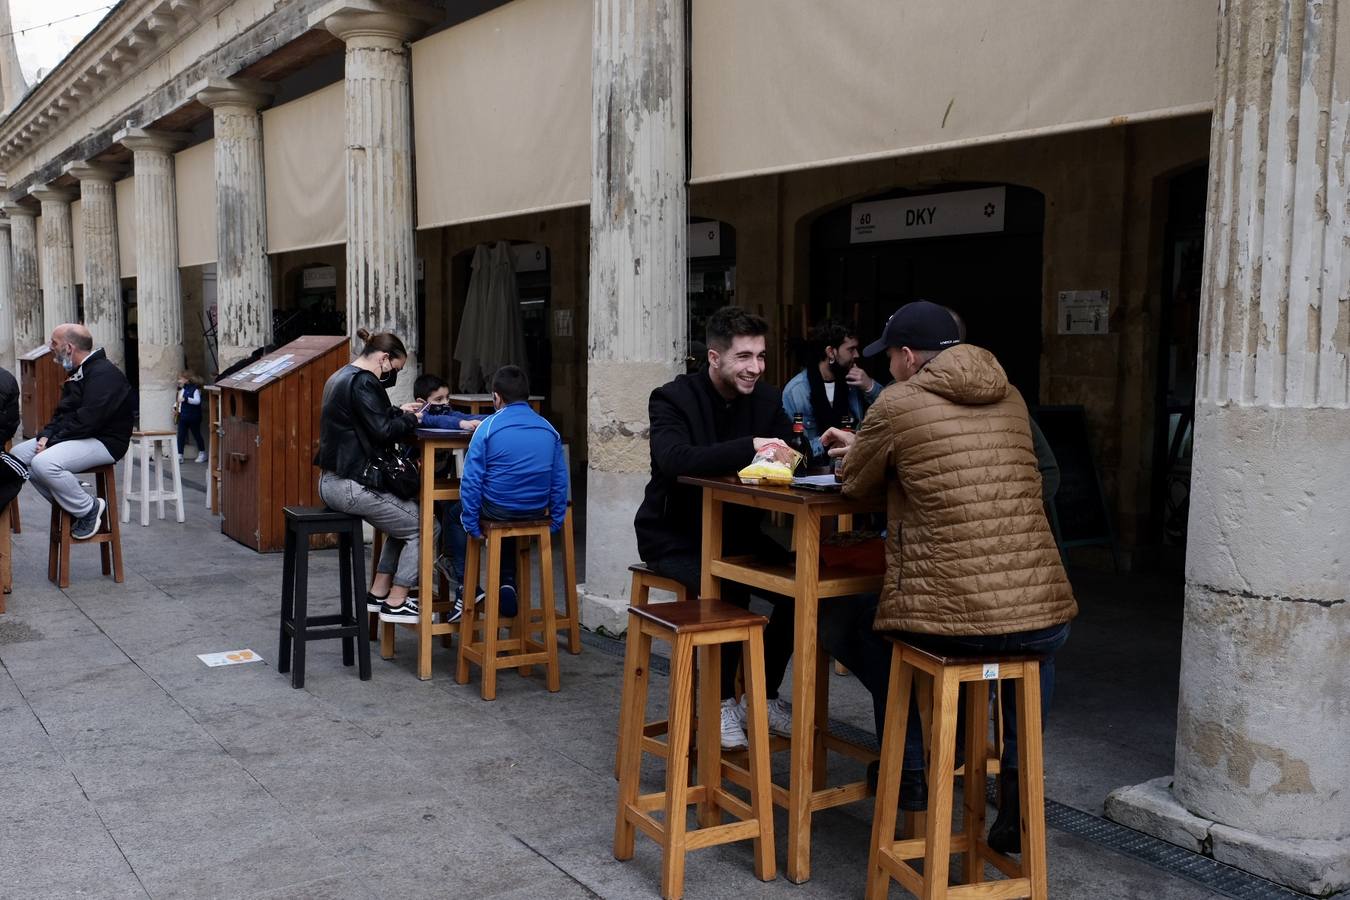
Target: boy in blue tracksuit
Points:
(514, 470)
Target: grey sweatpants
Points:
(53, 471)
(398, 519)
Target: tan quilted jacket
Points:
(968, 547)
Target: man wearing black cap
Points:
(971, 565)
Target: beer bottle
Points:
(847, 424)
(800, 444)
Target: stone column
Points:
(243, 272)
(102, 261)
(381, 280)
(638, 271)
(8, 359)
(159, 306)
(1263, 722)
(28, 332)
(57, 246)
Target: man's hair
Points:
(427, 384)
(924, 356)
(511, 384)
(731, 322)
(829, 333)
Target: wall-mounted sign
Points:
(1084, 312)
(704, 239)
(929, 215)
(318, 278)
(529, 257)
(562, 323)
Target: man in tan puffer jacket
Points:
(971, 564)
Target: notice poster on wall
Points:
(1084, 312)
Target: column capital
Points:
(375, 23)
(248, 93)
(49, 193)
(94, 171)
(12, 208)
(141, 139)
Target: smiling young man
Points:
(712, 423)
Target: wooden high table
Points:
(808, 582)
(478, 404)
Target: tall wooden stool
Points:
(109, 536)
(522, 650)
(298, 627)
(644, 579)
(147, 444)
(705, 625)
(888, 857)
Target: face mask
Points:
(66, 362)
(389, 379)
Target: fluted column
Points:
(159, 306)
(381, 281)
(57, 246)
(102, 261)
(8, 360)
(243, 273)
(1263, 721)
(637, 282)
(28, 332)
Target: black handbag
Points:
(389, 470)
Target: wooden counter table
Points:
(809, 583)
(481, 404)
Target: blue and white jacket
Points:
(515, 462)
(797, 399)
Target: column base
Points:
(601, 613)
(1314, 867)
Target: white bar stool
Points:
(147, 444)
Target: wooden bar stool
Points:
(146, 445)
(687, 625)
(109, 536)
(644, 579)
(888, 857)
(298, 627)
(521, 649)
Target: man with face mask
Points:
(91, 427)
(831, 386)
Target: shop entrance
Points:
(976, 249)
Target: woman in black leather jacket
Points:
(357, 421)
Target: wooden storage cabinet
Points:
(269, 435)
(40, 380)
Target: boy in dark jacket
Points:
(91, 427)
(712, 423)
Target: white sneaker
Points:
(201, 457)
(733, 725)
(780, 717)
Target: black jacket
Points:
(353, 398)
(9, 405)
(684, 441)
(96, 402)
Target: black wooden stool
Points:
(296, 623)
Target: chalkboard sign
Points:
(1080, 513)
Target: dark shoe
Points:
(913, 787)
(507, 606)
(1005, 835)
(374, 603)
(404, 612)
(87, 525)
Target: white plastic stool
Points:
(148, 444)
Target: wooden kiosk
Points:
(40, 380)
(269, 427)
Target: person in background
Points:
(188, 407)
(13, 474)
(431, 389)
(513, 471)
(831, 386)
(713, 422)
(91, 427)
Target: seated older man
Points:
(91, 427)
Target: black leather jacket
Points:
(353, 398)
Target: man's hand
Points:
(837, 441)
(469, 424)
(781, 452)
(859, 379)
(41, 444)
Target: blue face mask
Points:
(66, 362)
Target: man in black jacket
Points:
(91, 427)
(712, 423)
(9, 405)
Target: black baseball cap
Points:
(921, 325)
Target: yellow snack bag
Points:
(764, 469)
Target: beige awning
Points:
(305, 165)
(126, 226)
(502, 110)
(194, 178)
(790, 84)
(77, 237)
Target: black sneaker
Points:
(87, 525)
(457, 610)
(405, 612)
(374, 603)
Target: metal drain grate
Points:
(1209, 873)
